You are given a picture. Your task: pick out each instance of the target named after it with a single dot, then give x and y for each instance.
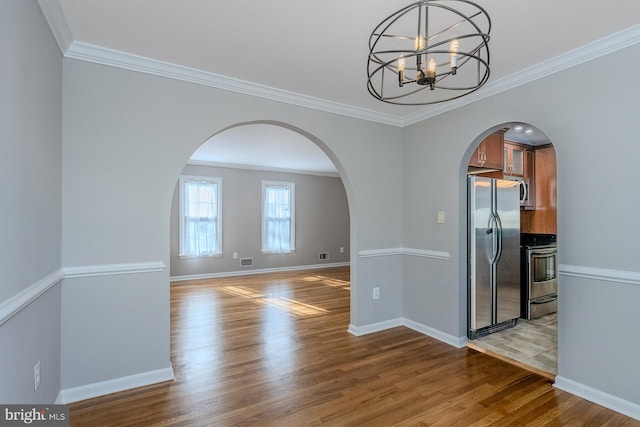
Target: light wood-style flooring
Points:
(273, 350)
(533, 343)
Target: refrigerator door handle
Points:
(498, 237)
(492, 228)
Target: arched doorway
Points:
(517, 153)
(245, 156)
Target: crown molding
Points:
(113, 58)
(54, 16)
(104, 56)
(609, 44)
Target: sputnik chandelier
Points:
(428, 52)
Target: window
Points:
(200, 221)
(278, 217)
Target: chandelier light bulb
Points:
(454, 56)
(401, 63)
(431, 68)
(431, 74)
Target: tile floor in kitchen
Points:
(531, 342)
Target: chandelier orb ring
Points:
(428, 52)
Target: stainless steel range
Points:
(539, 271)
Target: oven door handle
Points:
(548, 251)
(545, 299)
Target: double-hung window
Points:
(200, 219)
(278, 217)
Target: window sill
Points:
(218, 255)
(277, 253)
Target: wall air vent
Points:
(246, 262)
(323, 256)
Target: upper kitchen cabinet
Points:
(489, 154)
(514, 159)
(543, 220)
(529, 178)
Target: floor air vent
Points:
(246, 262)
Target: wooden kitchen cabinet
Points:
(489, 154)
(514, 159)
(529, 177)
(544, 218)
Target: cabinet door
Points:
(493, 146)
(529, 173)
(517, 161)
(514, 159)
(477, 158)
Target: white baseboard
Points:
(457, 342)
(609, 401)
(374, 327)
(257, 271)
(454, 341)
(89, 391)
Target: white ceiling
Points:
(319, 49)
(264, 147)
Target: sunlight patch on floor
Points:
(243, 292)
(328, 281)
(295, 307)
(291, 306)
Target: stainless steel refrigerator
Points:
(494, 255)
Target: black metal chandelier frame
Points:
(431, 72)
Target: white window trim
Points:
(292, 243)
(218, 182)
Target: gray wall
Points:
(30, 190)
(597, 156)
(127, 136)
(322, 222)
(126, 139)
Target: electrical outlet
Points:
(341, 249)
(440, 217)
(36, 376)
(376, 293)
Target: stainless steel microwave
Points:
(524, 188)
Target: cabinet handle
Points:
(480, 157)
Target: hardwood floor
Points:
(274, 350)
